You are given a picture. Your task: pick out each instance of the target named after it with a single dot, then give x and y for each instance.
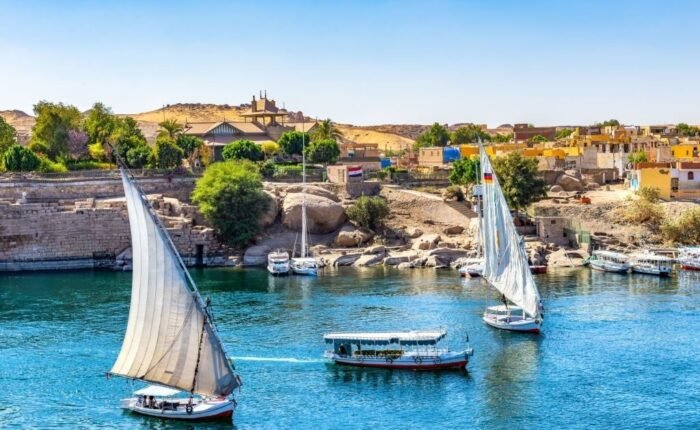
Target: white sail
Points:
(170, 338)
(505, 261)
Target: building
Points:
(362, 154)
(523, 132)
(438, 156)
(345, 173)
(679, 179)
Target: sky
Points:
(362, 62)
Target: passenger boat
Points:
(689, 258)
(651, 264)
(278, 263)
(304, 265)
(473, 267)
(409, 350)
(171, 340)
(609, 261)
(505, 261)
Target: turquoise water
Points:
(617, 352)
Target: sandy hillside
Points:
(385, 140)
(193, 112)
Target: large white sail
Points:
(170, 338)
(505, 262)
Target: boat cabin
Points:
(614, 257)
(382, 344)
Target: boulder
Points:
(428, 241)
(256, 255)
(435, 261)
(592, 186)
(346, 259)
(413, 232)
(273, 210)
(447, 255)
(570, 183)
(323, 215)
(400, 257)
(376, 249)
(405, 265)
(350, 235)
(369, 260)
(313, 190)
(556, 189)
(453, 229)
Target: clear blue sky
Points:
(363, 62)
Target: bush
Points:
(684, 230)
(97, 152)
(323, 151)
(48, 166)
(270, 148)
(267, 169)
(288, 169)
(642, 211)
(89, 165)
(139, 156)
(242, 150)
(20, 159)
(291, 142)
(454, 192)
(188, 143)
(465, 171)
(369, 212)
(650, 194)
(167, 155)
(230, 196)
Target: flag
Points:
(354, 171)
(488, 177)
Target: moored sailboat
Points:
(171, 340)
(304, 265)
(505, 261)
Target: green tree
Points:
(139, 155)
(20, 159)
(50, 131)
(242, 150)
(230, 196)
(465, 171)
(7, 135)
(326, 130)
(167, 155)
(99, 124)
(537, 138)
(610, 122)
(502, 138)
(170, 128)
(519, 180)
(188, 143)
(269, 148)
(686, 130)
(291, 142)
(637, 157)
(469, 134)
(369, 211)
(436, 135)
(323, 151)
(563, 133)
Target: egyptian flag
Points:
(488, 177)
(355, 171)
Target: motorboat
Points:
(407, 350)
(278, 263)
(472, 267)
(651, 264)
(163, 402)
(511, 318)
(171, 340)
(506, 266)
(609, 261)
(689, 258)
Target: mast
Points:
(478, 207)
(303, 191)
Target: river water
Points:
(617, 351)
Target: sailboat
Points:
(505, 261)
(474, 267)
(304, 265)
(171, 341)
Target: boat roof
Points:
(654, 257)
(610, 254)
(385, 338)
(157, 391)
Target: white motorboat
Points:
(304, 265)
(689, 258)
(609, 261)
(505, 261)
(651, 264)
(409, 350)
(278, 263)
(473, 267)
(510, 318)
(170, 339)
(160, 402)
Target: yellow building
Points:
(467, 151)
(654, 175)
(684, 151)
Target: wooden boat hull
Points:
(690, 266)
(538, 269)
(451, 361)
(208, 410)
(515, 324)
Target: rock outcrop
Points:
(350, 236)
(256, 255)
(273, 211)
(323, 215)
(314, 191)
(570, 183)
(426, 242)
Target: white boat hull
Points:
(608, 266)
(651, 270)
(205, 410)
(448, 360)
(304, 268)
(513, 323)
(278, 270)
(473, 271)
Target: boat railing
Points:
(395, 353)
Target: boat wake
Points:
(279, 359)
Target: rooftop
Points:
(406, 337)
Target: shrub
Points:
(642, 211)
(139, 156)
(291, 142)
(288, 169)
(20, 159)
(323, 151)
(230, 196)
(48, 166)
(683, 230)
(650, 194)
(242, 150)
(269, 148)
(454, 192)
(167, 155)
(97, 152)
(267, 169)
(369, 212)
(188, 143)
(89, 165)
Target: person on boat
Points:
(342, 350)
(504, 300)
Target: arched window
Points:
(691, 176)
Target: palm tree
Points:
(326, 129)
(170, 128)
